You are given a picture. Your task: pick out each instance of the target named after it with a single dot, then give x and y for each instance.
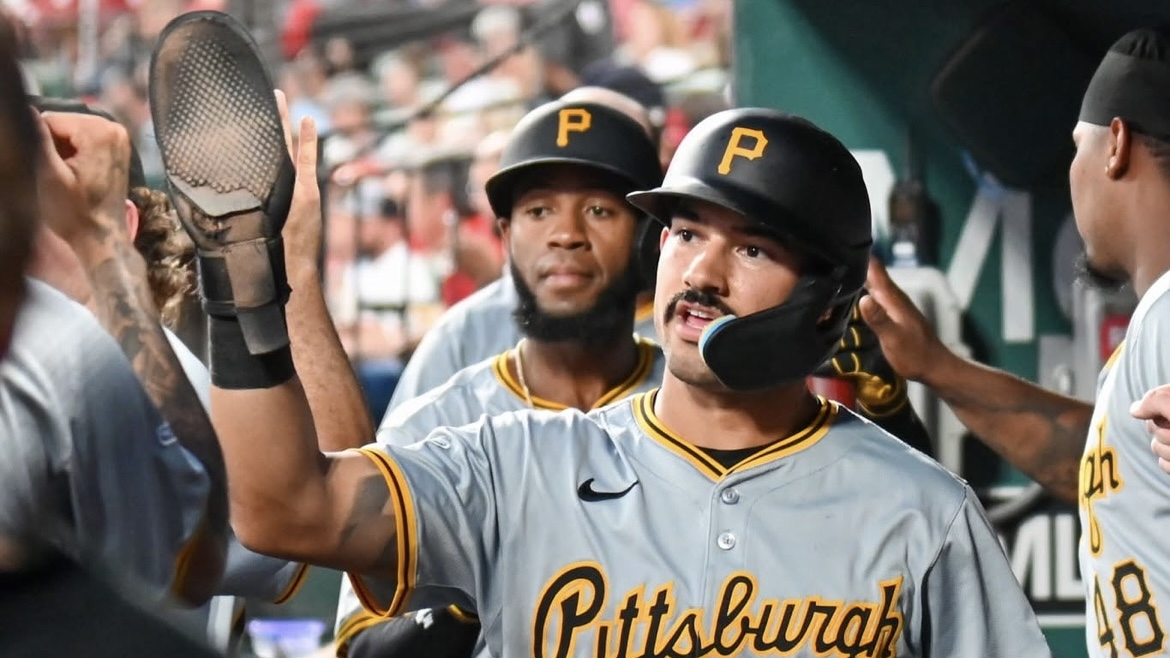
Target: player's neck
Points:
(577, 375)
(1148, 266)
(744, 420)
(1146, 208)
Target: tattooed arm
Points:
(1040, 432)
(82, 178)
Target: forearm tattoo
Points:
(122, 299)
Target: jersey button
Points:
(729, 496)
(726, 541)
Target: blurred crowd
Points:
(415, 100)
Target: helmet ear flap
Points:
(745, 353)
(837, 316)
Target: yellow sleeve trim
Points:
(405, 526)
(183, 559)
(461, 615)
(362, 620)
(644, 311)
(293, 586)
(359, 622)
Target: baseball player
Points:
(731, 512)
(38, 585)
(167, 252)
(92, 468)
(481, 325)
(564, 211)
(1097, 455)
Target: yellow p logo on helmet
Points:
(572, 120)
(734, 149)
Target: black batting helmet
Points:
(802, 184)
(586, 134)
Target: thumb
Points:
(49, 161)
(873, 313)
(895, 304)
(1154, 406)
(285, 121)
(878, 281)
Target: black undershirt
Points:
(729, 458)
(906, 425)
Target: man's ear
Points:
(1120, 141)
(132, 219)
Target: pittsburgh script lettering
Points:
(571, 605)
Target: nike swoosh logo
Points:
(590, 495)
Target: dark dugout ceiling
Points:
(1002, 78)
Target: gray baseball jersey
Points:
(470, 331)
(1124, 496)
(487, 388)
(607, 534)
(83, 448)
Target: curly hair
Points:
(167, 250)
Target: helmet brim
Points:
(661, 203)
(500, 188)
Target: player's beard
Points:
(1096, 278)
(610, 317)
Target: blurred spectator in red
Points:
(460, 244)
(298, 25)
(479, 251)
(385, 283)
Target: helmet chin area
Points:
(713, 329)
(775, 346)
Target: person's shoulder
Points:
(64, 336)
(566, 425)
(1154, 306)
(490, 299)
(500, 293)
(883, 457)
(463, 385)
(44, 302)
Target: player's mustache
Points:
(699, 298)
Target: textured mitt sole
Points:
(216, 120)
